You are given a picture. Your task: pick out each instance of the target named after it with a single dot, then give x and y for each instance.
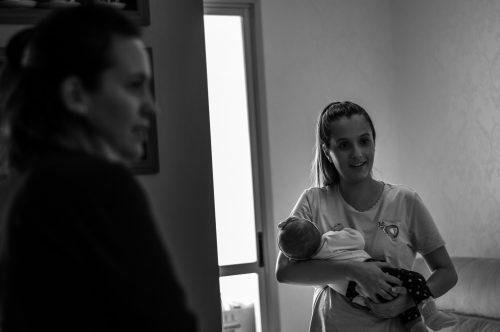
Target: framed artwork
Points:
(3, 170)
(149, 162)
(30, 11)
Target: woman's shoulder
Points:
(79, 170)
(400, 191)
(316, 191)
(315, 194)
(77, 162)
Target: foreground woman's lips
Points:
(141, 131)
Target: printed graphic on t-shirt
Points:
(391, 230)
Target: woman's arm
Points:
(309, 272)
(443, 276)
(368, 275)
(442, 279)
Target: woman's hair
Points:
(10, 72)
(14, 53)
(69, 42)
(324, 172)
(298, 239)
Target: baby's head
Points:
(298, 238)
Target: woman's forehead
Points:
(350, 127)
(129, 55)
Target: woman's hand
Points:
(371, 280)
(392, 308)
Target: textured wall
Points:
(448, 116)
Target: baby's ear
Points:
(282, 224)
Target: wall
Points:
(427, 73)
(185, 180)
(181, 194)
(448, 90)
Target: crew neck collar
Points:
(373, 206)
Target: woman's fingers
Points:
(385, 292)
(382, 264)
(392, 280)
(389, 278)
(398, 290)
(373, 281)
(392, 308)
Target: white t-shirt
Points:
(398, 206)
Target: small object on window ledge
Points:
(111, 3)
(58, 4)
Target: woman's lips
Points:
(141, 132)
(356, 165)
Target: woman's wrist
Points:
(352, 270)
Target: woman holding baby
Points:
(393, 220)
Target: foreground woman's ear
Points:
(325, 151)
(73, 95)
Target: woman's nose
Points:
(149, 106)
(357, 151)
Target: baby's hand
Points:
(398, 290)
(338, 227)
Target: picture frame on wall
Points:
(3, 166)
(149, 162)
(31, 11)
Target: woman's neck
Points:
(94, 145)
(362, 195)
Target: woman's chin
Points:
(131, 154)
(136, 155)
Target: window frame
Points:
(249, 10)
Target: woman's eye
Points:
(365, 141)
(342, 146)
(135, 85)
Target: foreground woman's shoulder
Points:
(80, 170)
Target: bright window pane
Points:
(240, 303)
(229, 127)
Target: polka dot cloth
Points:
(417, 289)
(413, 282)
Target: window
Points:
(244, 242)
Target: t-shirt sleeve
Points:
(424, 233)
(303, 208)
